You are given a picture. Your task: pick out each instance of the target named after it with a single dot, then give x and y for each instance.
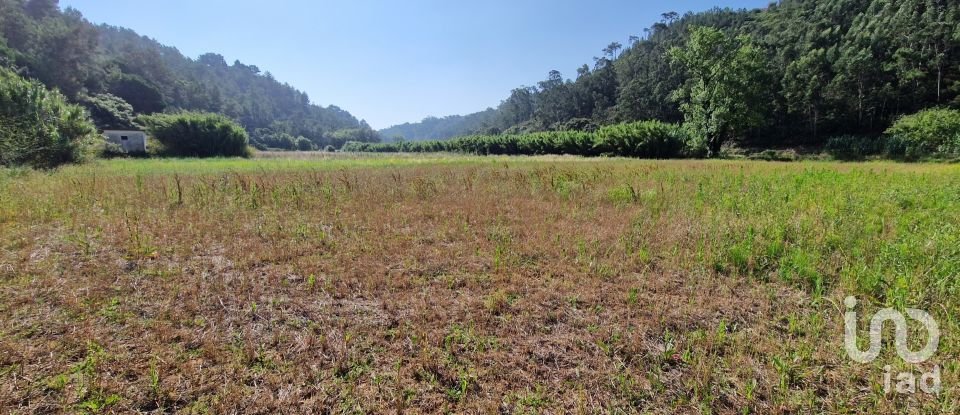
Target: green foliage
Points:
(834, 67)
(65, 51)
(578, 124)
(38, 127)
(929, 133)
(855, 147)
(775, 155)
(110, 112)
(722, 96)
(265, 139)
(303, 144)
(646, 139)
(192, 134)
(434, 128)
(109, 150)
(363, 134)
(145, 97)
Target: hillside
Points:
(108, 67)
(832, 67)
(433, 128)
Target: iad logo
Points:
(906, 382)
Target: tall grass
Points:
(701, 285)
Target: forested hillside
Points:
(433, 128)
(117, 74)
(829, 67)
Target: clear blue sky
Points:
(393, 61)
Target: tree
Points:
(519, 107)
(361, 135)
(612, 50)
(932, 132)
(65, 52)
(555, 102)
(270, 139)
(144, 97)
(304, 144)
(804, 84)
(194, 134)
(38, 128)
(722, 97)
(670, 17)
(109, 112)
(39, 9)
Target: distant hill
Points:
(65, 51)
(433, 128)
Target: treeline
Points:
(117, 74)
(928, 134)
(39, 128)
(826, 68)
(433, 128)
(645, 139)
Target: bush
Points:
(645, 139)
(191, 134)
(267, 139)
(362, 135)
(928, 133)
(109, 150)
(775, 155)
(38, 128)
(143, 95)
(304, 144)
(695, 145)
(577, 124)
(110, 112)
(854, 147)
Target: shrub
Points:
(854, 147)
(191, 134)
(362, 135)
(357, 147)
(110, 112)
(38, 127)
(304, 144)
(577, 124)
(775, 155)
(695, 145)
(646, 139)
(109, 150)
(933, 132)
(267, 139)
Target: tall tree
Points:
(39, 9)
(613, 50)
(65, 51)
(723, 95)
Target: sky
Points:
(396, 61)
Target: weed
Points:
(686, 286)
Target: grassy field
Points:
(450, 284)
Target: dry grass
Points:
(464, 285)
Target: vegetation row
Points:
(933, 133)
